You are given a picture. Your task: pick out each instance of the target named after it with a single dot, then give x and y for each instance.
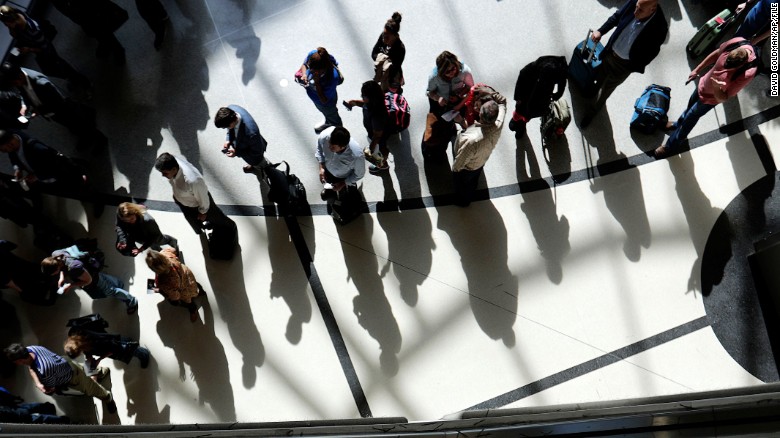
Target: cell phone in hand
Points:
(150, 285)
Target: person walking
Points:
(134, 227)
(320, 75)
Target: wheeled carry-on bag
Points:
(222, 238)
(710, 33)
(584, 66)
(286, 189)
(651, 109)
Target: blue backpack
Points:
(651, 108)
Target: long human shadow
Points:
(371, 307)
(287, 282)
(141, 388)
(406, 169)
(550, 231)
(622, 191)
(244, 40)
(697, 209)
(479, 235)
(196, 345)
(229, 290)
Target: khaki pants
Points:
(82, 383)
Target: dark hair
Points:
(5, 136)
(10, 71)
(15, 352)
(393, 25)
(444, 61)
(376, 98)
(166, 161)
(320, 60)
(340, 136)
(225, 116)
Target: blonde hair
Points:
(157, 262)
(127, 209)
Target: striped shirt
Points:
(52, 370)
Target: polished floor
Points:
(599, 275)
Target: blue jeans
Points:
(329, 110)
(689, 118)
(110, 286)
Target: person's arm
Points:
(82, 281)
(121, 236)
(608, 25)
(358, 169)
(201, 193)
(354, 102)
(38, 384)
(709, 60)
(377, 47)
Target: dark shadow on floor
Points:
(479, 235)
(233, 304)
(196, 345)
(550, 231)
(371, 307)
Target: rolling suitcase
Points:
(710, 33)
(584, 66)
(286, 190)
(346, 206)
(222, 238)
(651, 108)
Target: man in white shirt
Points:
(189, 191)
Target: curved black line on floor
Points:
(731, 299)
(604, 169)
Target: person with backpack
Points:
(388, 55)
(735, 65)
(75, 268)
(538, 83)
(87, 336)
(384, 114)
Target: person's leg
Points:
(84, 384)
(215, 215)
(113, 287)
(615, 72)
(465, 182)
(191, 215)
(330, 111)
(687, 121)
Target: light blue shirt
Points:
(349, 164)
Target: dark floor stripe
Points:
(748, 123)
(327, 315)
(592, 365)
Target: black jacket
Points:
(536, 85)
(647, 43)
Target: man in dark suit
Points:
(243, 137)
(43, 98)
(640, 29)
(38, 165)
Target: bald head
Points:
(645, 8)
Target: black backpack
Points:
(286, 190)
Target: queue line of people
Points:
(460, 110)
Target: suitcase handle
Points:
(585, 47)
